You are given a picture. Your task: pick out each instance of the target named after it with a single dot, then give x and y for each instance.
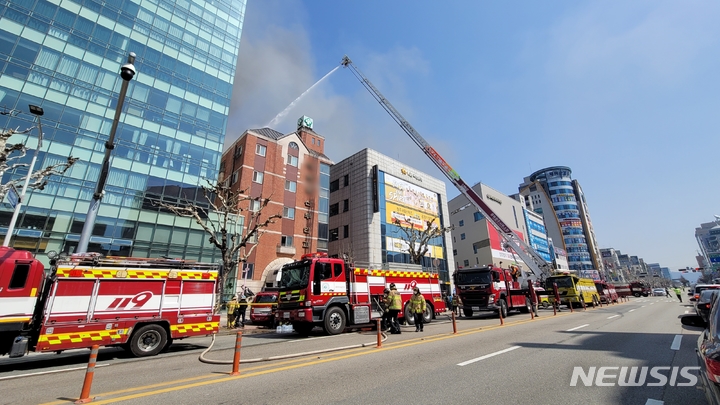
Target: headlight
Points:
(491, 299)
(301, 314)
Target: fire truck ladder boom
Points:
(536, 264)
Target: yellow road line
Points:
(358, 352)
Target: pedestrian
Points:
(394, 305)
(417, 307)
(667, 292)
(241, 309)
(456, 304)
(678, 293)
(232, 306)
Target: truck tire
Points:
(636, 295)
(148, 340)
(409, 318)
(527, 308)
(334, 321)
(503, 307)
(467, 312)
(303, 328)
(545, 305)
(428, 314)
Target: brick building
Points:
(294, 173)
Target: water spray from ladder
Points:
(285, 112)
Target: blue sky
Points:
(625, 94)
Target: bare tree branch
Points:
(417, 239)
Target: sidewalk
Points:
(247, 330)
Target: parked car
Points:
(704, 303)
(658, 292)
(700, 288)
(708, 350)
(262, 310)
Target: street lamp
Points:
(36, 111)
(127, 72)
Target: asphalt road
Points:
(524, 361)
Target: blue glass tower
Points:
(64, 55)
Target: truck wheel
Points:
(407, 315)
(303, 329)
(545, 305)
(334, 321)
(636, 295)
(503, 307)
(149, 340)
(467, 312)
(428, 314)
(527, 308)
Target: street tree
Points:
(235, 222)
(417, 240)
(10, 159)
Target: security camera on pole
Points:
(127, 72)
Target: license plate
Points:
(475, 308)
(286, 315)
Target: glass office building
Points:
(65, 56)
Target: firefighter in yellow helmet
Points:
(232, 306)
(417, 307)
(393, 301)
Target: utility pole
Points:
(127, 72)
(36, 111)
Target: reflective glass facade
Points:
(64, 55)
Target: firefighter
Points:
(394, 305)
(678, 293)
(417, 307)
(456, 304)
(232, 306)
(386, 311)
(241, 309)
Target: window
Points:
(346, 205)
(235, 177)
(454, 252)
(462, 236)
(293, 145)
(466, 262)
(346, 180)
(475, 249)
(337, 269)
(334, 185)
(313, 141)
(286, 241)
(238, 151)
(333, 234)
(292, 160)
(462, 223)
(260, 149)
(334, 209)
(346, 231)
(290, 186)
(324, 270)
(477, 260)
(289, 213)
(254, 205)
(477, 216)
(253, 238)
(258, 177)
(19, 276)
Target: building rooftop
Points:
(268, 133)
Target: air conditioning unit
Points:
(306, 231)
(308, 204)
(306, 244)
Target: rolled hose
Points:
(285, 356)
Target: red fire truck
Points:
(327, 292)
(636, 288)
(490, 288)
(86, 299)
(607, 292)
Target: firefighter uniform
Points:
(232, 306)
(455, 304)
(417, 307)
(394, 305)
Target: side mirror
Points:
(693, 320)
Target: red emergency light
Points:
(312, 255)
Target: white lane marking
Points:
(509, 349)
(577, 327)
(687, 312)
(50, 372)
(654, 402)
(643, 306)
(631, 310)
(676, 343)
(614, 316)
(652, 303)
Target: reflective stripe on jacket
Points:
(417, 304)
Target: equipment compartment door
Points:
(128, 299)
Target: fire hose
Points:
(285, 356)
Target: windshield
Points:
(265, 298)
(474, 277)
(564, 281)
(295, 275)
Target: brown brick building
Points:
(294, 173)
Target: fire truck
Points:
(327, 292)
(490, 288)
(607, 292)
(635, 288)
(141, 305)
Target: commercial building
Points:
(708, 239)
(369, 192)
(477, 243)
(292, 171)
(552, 193)
(64, 56)
(614, 270)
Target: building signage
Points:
(494, 199)
(593, 274)
(410, 174)
(606, 254)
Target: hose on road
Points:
(285, 356)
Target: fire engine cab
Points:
(327, 292)
(87, 299)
